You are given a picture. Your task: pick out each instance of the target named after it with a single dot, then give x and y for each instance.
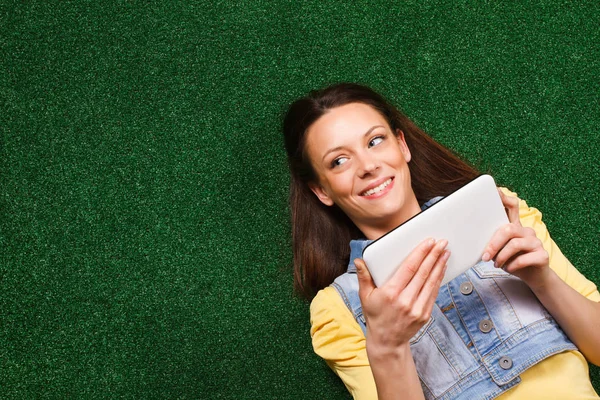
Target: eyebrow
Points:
(341, 147)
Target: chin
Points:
(387, 214)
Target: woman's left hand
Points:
(516, 249)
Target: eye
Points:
(375, 141)
(338, 161)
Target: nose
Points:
(368, 164)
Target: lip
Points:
(375, 184)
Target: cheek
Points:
(339, 185)
(401, 162)
(342, 184)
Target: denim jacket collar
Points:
(358, 245)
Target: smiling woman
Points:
(317, 130)
(505, 328)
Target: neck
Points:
(376, 230)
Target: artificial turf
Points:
(144, 231)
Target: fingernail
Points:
(431, 242)
(443, 243)
(496, 264)
(486, 256)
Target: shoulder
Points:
(327, 309)
(339, 340)
(335, 334)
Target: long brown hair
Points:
(321, 234)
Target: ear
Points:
(321, 193)
(403, 146)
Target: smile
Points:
(377, 189)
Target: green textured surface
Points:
(143, 222)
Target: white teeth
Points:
(378, 188)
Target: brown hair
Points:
(321, 234)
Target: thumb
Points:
(365, 282)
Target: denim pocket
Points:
(421, 331)
(439, 357)
(510, 302)
(486, 269)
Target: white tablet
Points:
(467, 218)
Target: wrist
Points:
(394, 371)
(543, 282)
(379, 353)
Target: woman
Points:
(359, 168)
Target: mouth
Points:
(378, 190)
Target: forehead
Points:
(342, 123)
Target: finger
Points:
(514, 247)
(365, 281)
(431, 288)
(535, 259)
(501, 238)
(416, 284)
(410, 265)
(511, 204)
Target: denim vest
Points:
(486, 328)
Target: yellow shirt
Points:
(338, 338)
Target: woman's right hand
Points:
(397, 310)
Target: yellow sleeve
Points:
(532, 217)
(339, 340)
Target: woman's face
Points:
(362, 167)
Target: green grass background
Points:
(144, 234)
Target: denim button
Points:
(485, 326)
(466, 288)
(505, 362)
